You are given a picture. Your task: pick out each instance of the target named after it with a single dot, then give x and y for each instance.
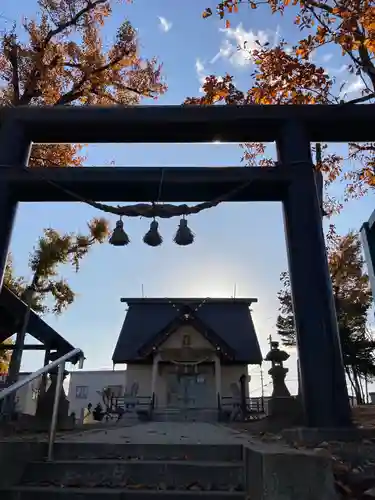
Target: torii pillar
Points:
(14, 153)
(324, 390)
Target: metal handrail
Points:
(60, 363)
(45, 369)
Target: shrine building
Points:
(187, 353)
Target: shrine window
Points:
(82, 391)
(186, 341)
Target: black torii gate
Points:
(293, 182)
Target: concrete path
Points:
(162, 433)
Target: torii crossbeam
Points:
(293, 182)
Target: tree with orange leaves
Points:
(350, 24)
(59, 58)
(353, 301)
(286, 75)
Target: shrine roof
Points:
(228, 318)
(12, 311)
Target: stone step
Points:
(149, 474)
(52, 493)
(185, 415)
(194, 452)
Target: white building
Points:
(85, 386)
(82, 387)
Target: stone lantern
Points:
(281, 403)
(278, 371)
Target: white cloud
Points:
(164, 24)
(329, 70)
(355, 86)
(352, 87)
(313, 57)
(327, 57)
(199, 66)
(341, 69)
(201, 73)
(276, 37)
(238, 38)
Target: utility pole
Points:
(262, 387)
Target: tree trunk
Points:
(360, 379)
(357, 387)
(347, 371)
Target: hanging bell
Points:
(184, 235)
(119, 238)
(153, 238)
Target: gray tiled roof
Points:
(230, 319)
(15, 309)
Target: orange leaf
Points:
(227, 24)
(207, 13)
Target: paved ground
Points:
(162, 433)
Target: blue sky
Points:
(238, 245)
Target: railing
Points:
(132, 402)
(218, 400)
(152, 405)
(255, 404)
(250, 408)
(60, 363)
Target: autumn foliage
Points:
(5, 358)
(353, 301)
(278, 78)
(60, 58)
(347, 23)
(65, 61)
(284, 74)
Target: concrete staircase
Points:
(185, 415)
(84, 471)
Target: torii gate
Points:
(292, 181)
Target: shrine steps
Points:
(85, 471)
(118, 494)
(185, 415)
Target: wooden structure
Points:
(293, 182)
(12, 312)
(186, 353)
